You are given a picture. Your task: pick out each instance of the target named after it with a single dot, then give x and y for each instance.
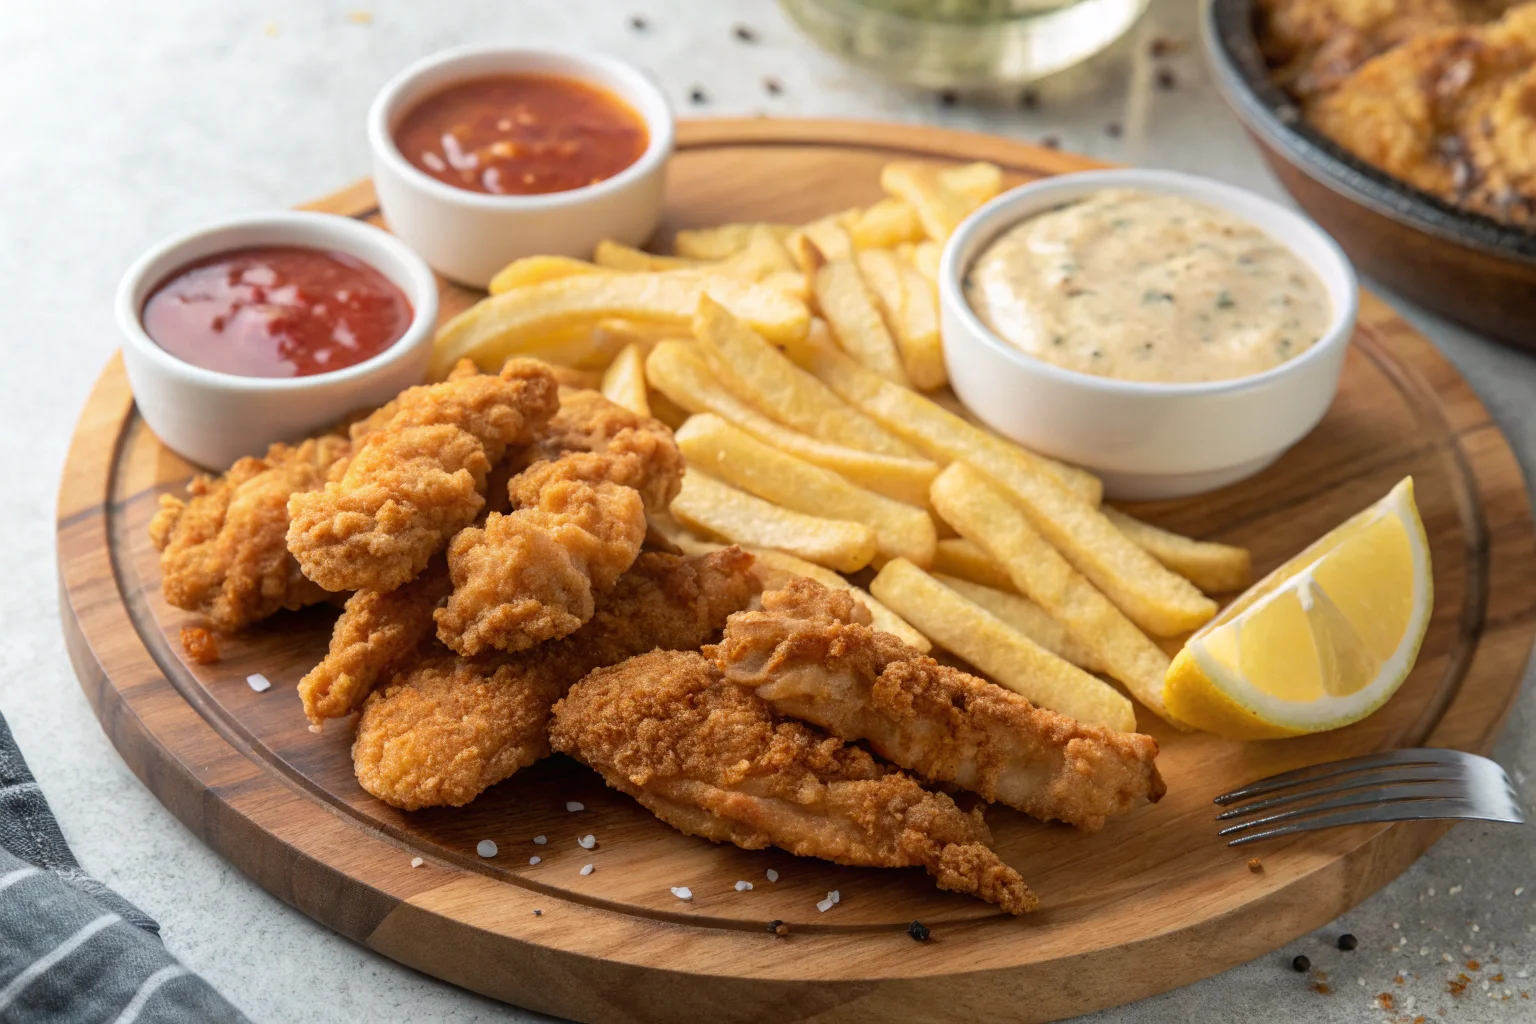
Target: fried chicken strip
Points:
(449, 727)
(636, 451)
(1452, 112)
(811, 654)
(223, 552)
(710, 758)
(378, 634)
(578, 522)
(417, 476)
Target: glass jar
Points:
(964, 44)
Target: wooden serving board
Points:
(1152, 902)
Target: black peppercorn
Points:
(1348, 942)
(1301, 965)
(918, 931)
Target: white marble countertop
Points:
(127, 121)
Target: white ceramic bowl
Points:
(468, 236)
(1147, 441)
(213, 418)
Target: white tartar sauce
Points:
(1148, 287)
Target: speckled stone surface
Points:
(124, 122)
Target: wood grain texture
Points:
(1152, 902)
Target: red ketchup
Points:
(276, 311)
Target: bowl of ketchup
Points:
(486, 154)
(269, 328)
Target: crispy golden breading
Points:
(1315, 44)
(1452, 112)
(378, 634)
(449, 727)
(417, 476)
(533, 575)
(578, 521)
(223, 553)
(811, 654)
(711, 759)
(637, 451)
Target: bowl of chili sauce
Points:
(484, 155)
(271, 327)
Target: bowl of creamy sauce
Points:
(1147, 286)
(1172, 333)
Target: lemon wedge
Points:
(1319, 643)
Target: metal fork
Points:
(1400, 785)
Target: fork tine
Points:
(1425, 756)
(1362, 798)
(1370, 777)
(1408, 810)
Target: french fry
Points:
(683, 377)
(762, 375)
(708, 506)
(763, 255)
(825, 234)
(910, 312)
(1157, 600)
(888, 223)
(1008, 656)
(538, 269)
(664, 409)
(933, 430)
(975, 183)
(1028, 618)
(938, 209)
(624, 381)
(737, 458)
(1214, 568)
(845, 303)
(790, 282)
(570, 377)
(616, 256)
(615, 334)
(973, 505)
(925, 260)
(956, 556)
(722, 240)
(508, 324)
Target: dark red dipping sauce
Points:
(276, 311)
(522, 135)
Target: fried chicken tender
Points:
(1452, 112)
(636, 451)
(378, 634)
(449, 727)
(710, 758)
(416, 477)
(223, 553)
(578, 521)
(1315, 44)
(810, 653)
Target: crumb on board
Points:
(778, 928)
(200, 645)
(1255, 865)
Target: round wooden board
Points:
(1152, 902)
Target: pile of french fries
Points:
(802, 369)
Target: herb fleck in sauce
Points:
(1148, 287)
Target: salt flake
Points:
(485, 848)
(259, 682)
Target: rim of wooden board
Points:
(588, 962)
